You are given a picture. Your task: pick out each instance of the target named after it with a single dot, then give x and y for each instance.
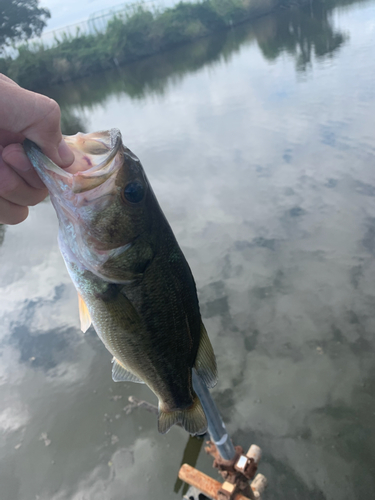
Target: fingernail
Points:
(66, 155)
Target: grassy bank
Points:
(129, 37)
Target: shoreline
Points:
(133, 36)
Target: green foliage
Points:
(230, 11)
(20, 19)
(136, 35)
(4, 65)
(130, 36)
(179, 24)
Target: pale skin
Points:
(25, 114)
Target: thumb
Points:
(45, 131)
(36, 117)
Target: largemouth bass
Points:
(133, 281)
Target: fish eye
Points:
(134, 192)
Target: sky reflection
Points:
(265, 173)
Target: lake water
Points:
(260, 145)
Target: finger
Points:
(7, 137)
(15, 156)
(46, 133)
(14, 189)
(11, 213)
(36, 117)
(5, 79)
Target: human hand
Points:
(25, 114)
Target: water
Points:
(260, 146)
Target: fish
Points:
(134, 284)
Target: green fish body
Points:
(133, 281)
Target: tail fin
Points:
(192, 419)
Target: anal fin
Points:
(121, 374)
(84, 314)
(205, 362)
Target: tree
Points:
(21, 19)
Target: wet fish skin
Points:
(131, 274)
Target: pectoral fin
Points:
(205, 362)
(84, 314)
(121, 374)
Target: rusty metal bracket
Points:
(236, 474)
(212, 488)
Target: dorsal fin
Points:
(205, 362)
(121, 374)
(84, 314)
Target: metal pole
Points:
(216, 426)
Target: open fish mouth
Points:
(96, 159)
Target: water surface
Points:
(259, 143)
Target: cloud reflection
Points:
(267, 180)
(14, 417)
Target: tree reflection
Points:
(70, 122)
(2, 233)
(150, 75)
(302, 32)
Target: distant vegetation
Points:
(141, 32)
(129, 37)
(20, 19)
(306, 34)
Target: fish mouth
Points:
(96, 159)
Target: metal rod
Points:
(216, 426)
